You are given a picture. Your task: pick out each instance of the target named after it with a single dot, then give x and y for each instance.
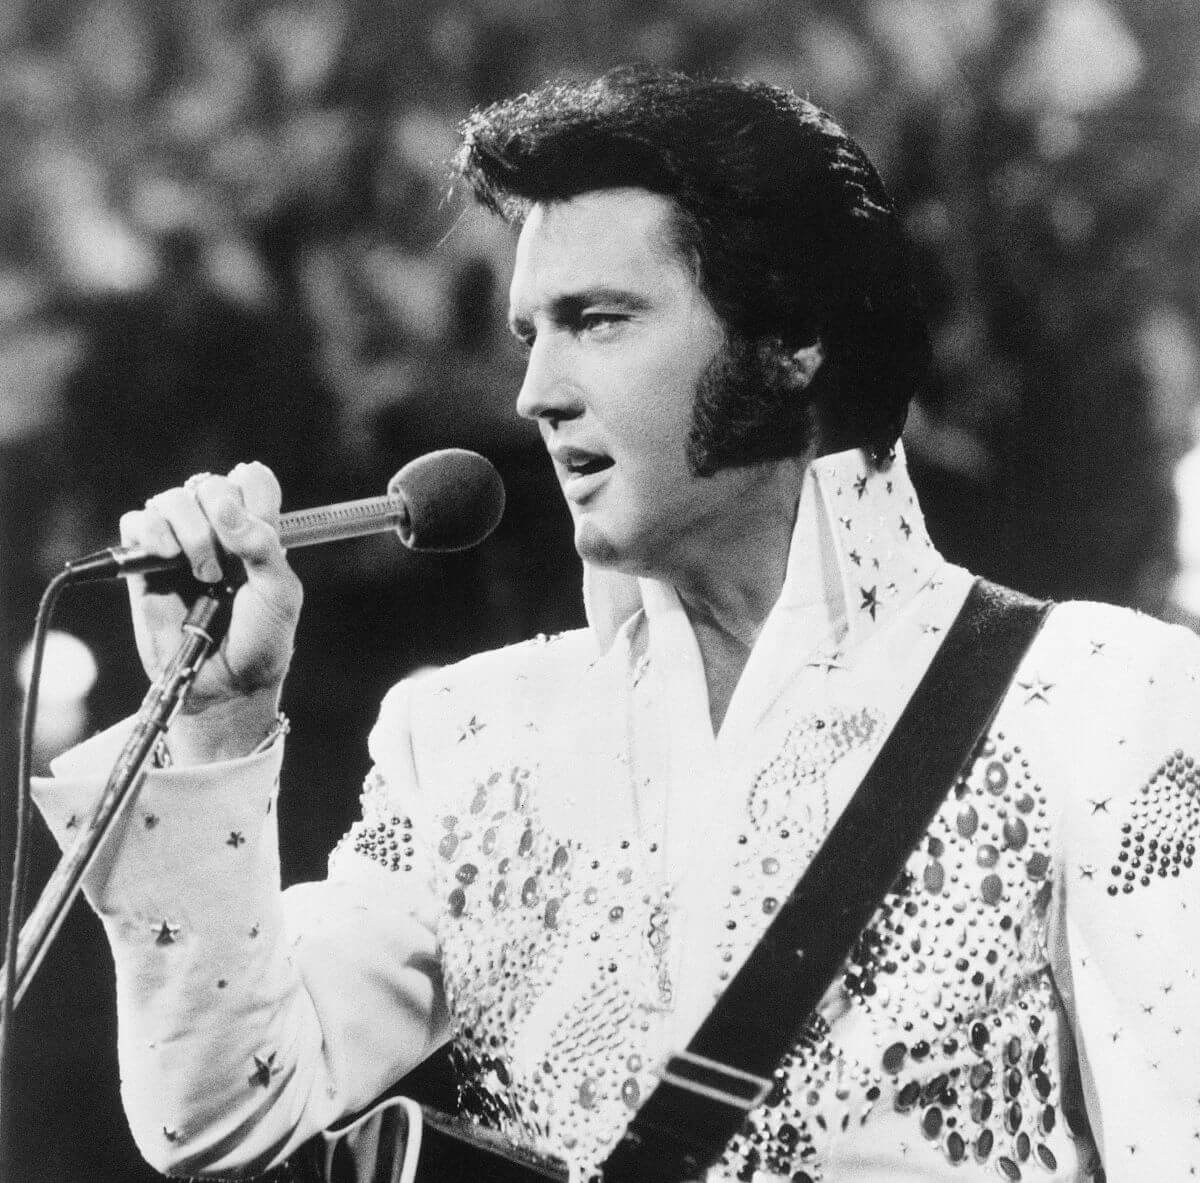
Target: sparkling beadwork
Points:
(944, 976)
(1163, 826)
(968, 821)
(1016, 833)
(894, 1057)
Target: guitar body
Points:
(374, 1147)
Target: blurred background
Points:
(225, 233)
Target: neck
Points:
(737, 579)
(734, 581)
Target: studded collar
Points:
(859, 550)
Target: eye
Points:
(598, 323)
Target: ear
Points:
(806, 361)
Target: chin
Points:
(594, 545)
(602, 548)
(598, 546)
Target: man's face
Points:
(619, 334)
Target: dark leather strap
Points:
(705, 1094)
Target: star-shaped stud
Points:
(73, 821)
(641, 668)
(1097, 648)
(264, 1069)
(1086, 871)
(150, 820)
(472, 727)
(1147, 1008)
(166, 933)
(855, 558)
(827, 661)
(235, 839)
(847, 522)
(1099, 806)
(860, 486)
(255, 929)
(931, 629)
(870, 601)
(1115, 1035)
(1036, 690)
(171, 1135)
(905, 528)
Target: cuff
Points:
(241, 793)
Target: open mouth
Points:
(578, 463)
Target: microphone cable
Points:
(16, 893)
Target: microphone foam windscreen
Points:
(455, 499)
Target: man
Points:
(569, 846)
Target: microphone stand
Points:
(203, 630)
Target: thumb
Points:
(246, 536)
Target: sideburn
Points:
(750, 406)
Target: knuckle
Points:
(261, 487)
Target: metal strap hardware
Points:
(714, 1080)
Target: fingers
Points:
(240, 510)
(211, 516)
(179, 511)
(260, 490)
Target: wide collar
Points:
(859, 550)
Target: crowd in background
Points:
(226, 233)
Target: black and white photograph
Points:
(600, 592)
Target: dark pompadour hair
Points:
(793, 231)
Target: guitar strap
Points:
(706, 1092)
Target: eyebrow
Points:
(567, 307)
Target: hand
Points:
(236, 694)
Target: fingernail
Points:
(210, 571)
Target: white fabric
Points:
(265, 1017)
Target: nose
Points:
(549, 391)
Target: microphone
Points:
(447, 500)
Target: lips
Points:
(581, 471)
(579, 462)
